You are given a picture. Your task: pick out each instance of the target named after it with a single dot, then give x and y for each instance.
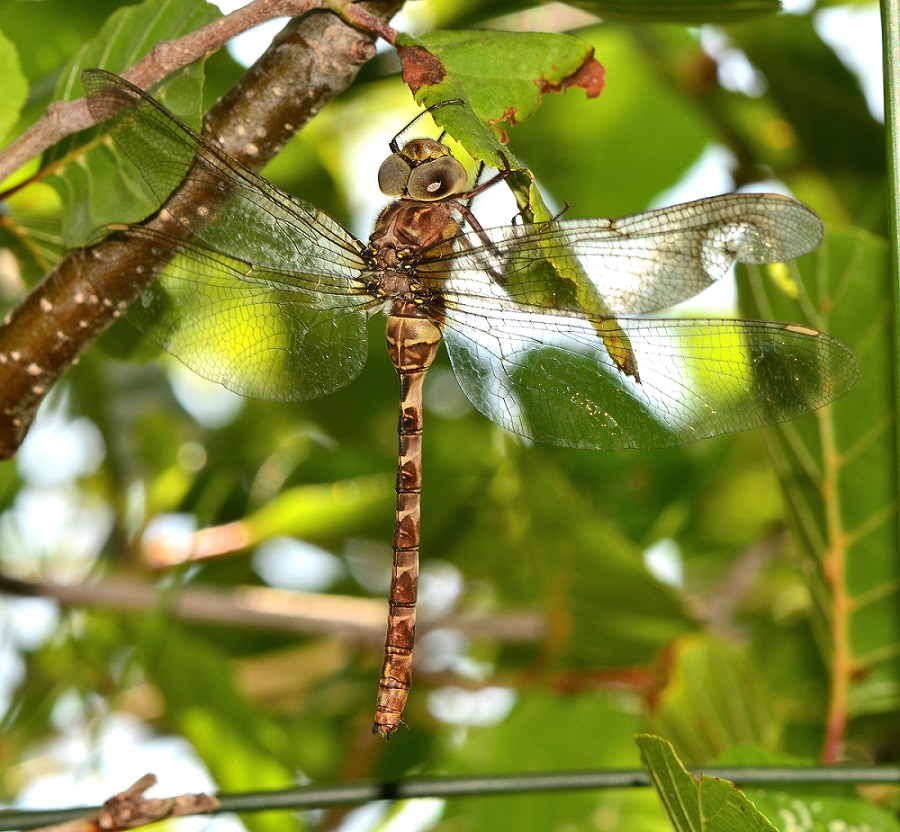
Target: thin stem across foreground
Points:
(359, 792)
(315, 58)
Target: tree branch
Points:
(313, 59)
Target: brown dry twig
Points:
(130, 809)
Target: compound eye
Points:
(393, 176)
(437, 179)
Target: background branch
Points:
(361, 619)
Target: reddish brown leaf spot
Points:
(510, 114)
(590, 76)
(420, 67)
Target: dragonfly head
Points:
(424, 169)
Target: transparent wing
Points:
(635, 264)
(263, 333)
(217, 199)
(550, 377)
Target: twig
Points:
(130, 809)
(66, 117)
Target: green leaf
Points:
(614, 612)
(713, 700)
(823, 812)
(590, 155)
(545, 732)
(810, 86)
(15, 86)
(309, 512)
(704, 804)
(811, 808)
(95, 183)
(500, 77)
(678, 11)
(243, 747)
(838, 467)
(504, 75)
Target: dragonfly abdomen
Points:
(413, 341)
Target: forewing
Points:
(263, 333)
(635, 264)
(550, 377)
(217, 199)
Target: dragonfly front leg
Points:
(413, 342)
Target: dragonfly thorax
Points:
(423, 170)
(406, 229)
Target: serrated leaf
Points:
(704, 804)
(15, 86)
(838, 466)
(678, 11)
(95, 183)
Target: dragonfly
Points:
(545, 323)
